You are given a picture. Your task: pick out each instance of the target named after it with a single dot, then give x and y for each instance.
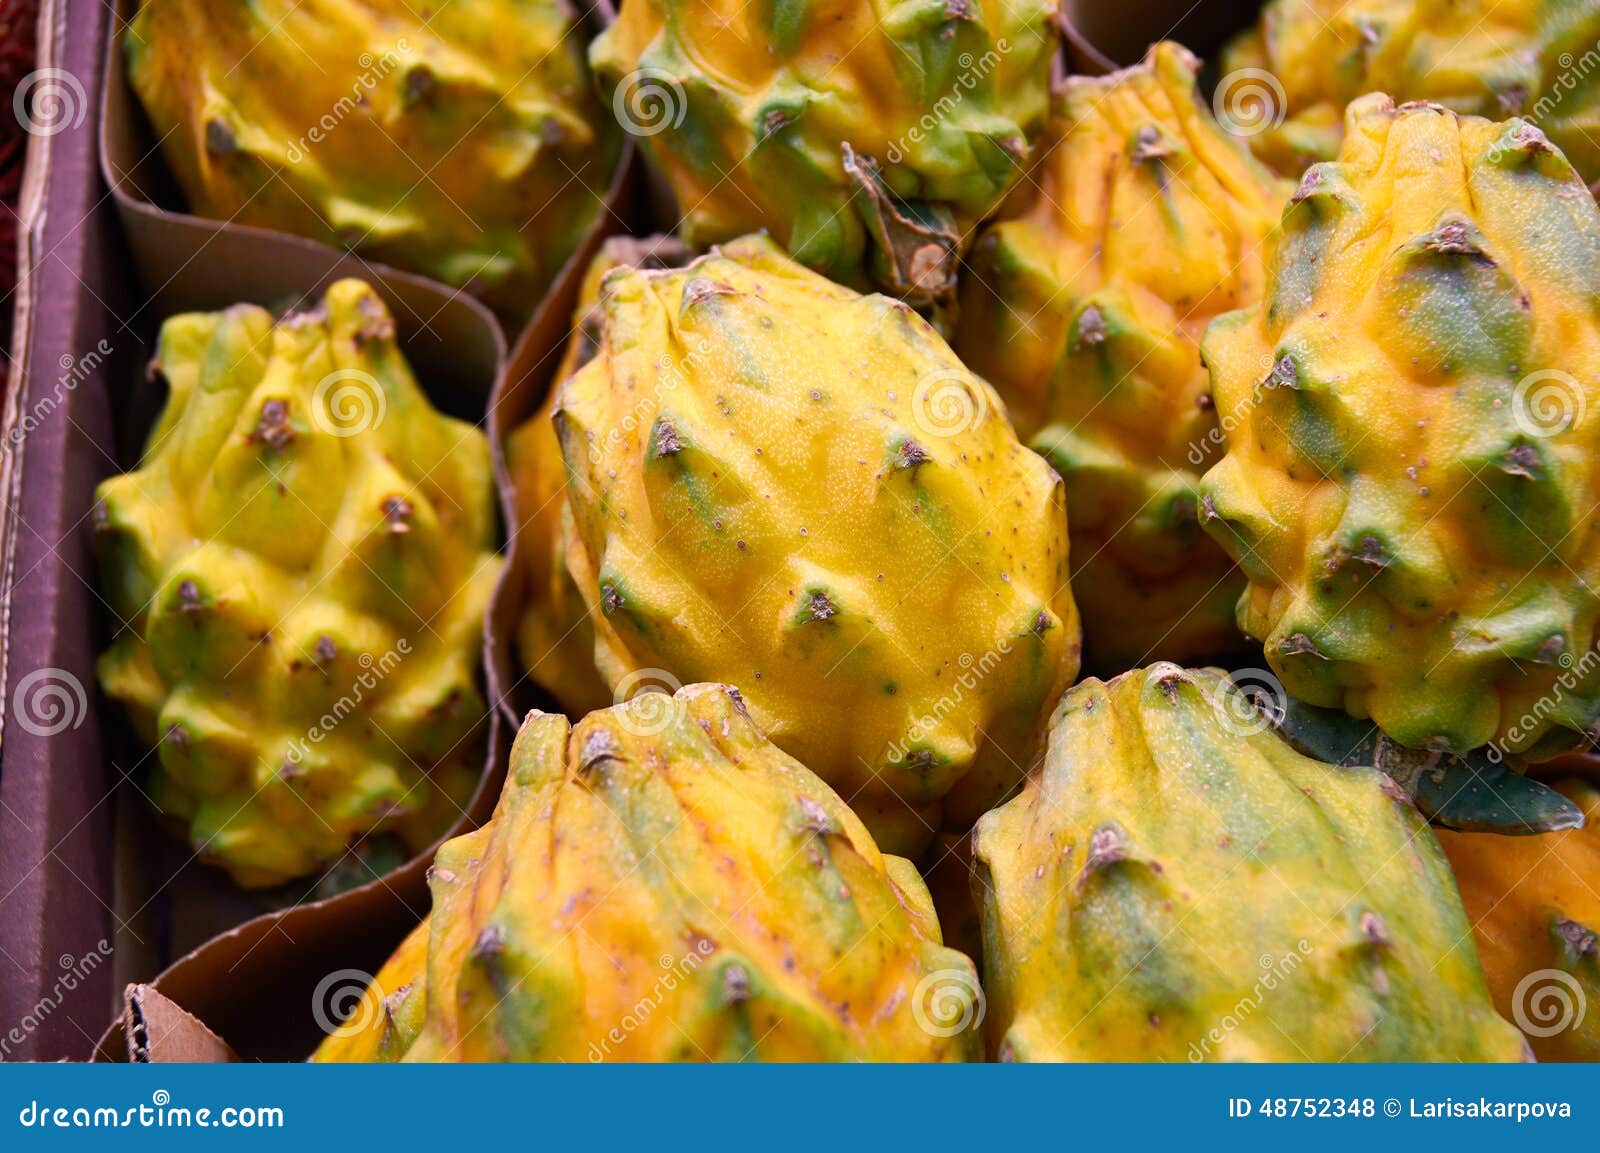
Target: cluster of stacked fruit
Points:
(807, 519)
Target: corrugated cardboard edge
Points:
(277, 955)
(1104, 35)
(54, 826)
(1083, 57)
(160, 1031)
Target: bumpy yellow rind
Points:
(1178, 884)
(458, 140)
(661, 883)
(1143, 221)
(298, 573)
(779, 484)
(1534, 904)
(1413, 416)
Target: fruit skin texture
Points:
(467, 147)
(1085, 312)
(660, 883)
(555, 640)
(298, 572)
(869, 139)
(780, 484)
(1176, 869)
(1408, 483)
(1491, 58)
(1533, 908)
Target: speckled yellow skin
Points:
(298, 573)
(1143, 221)
(660, 883)
(460, 141)
(555, 640)
(755, 104)
(1492, 58)
(1413, 417)
(1177, 884)
(782, 485)
(1534, 904)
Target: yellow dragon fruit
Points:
(869, 139)
(458, 140)
(1144, 221)
(779, 484)
(299, 571)
(1412, 415)
(661, 883)
(1178, 884)
(1287, 81)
